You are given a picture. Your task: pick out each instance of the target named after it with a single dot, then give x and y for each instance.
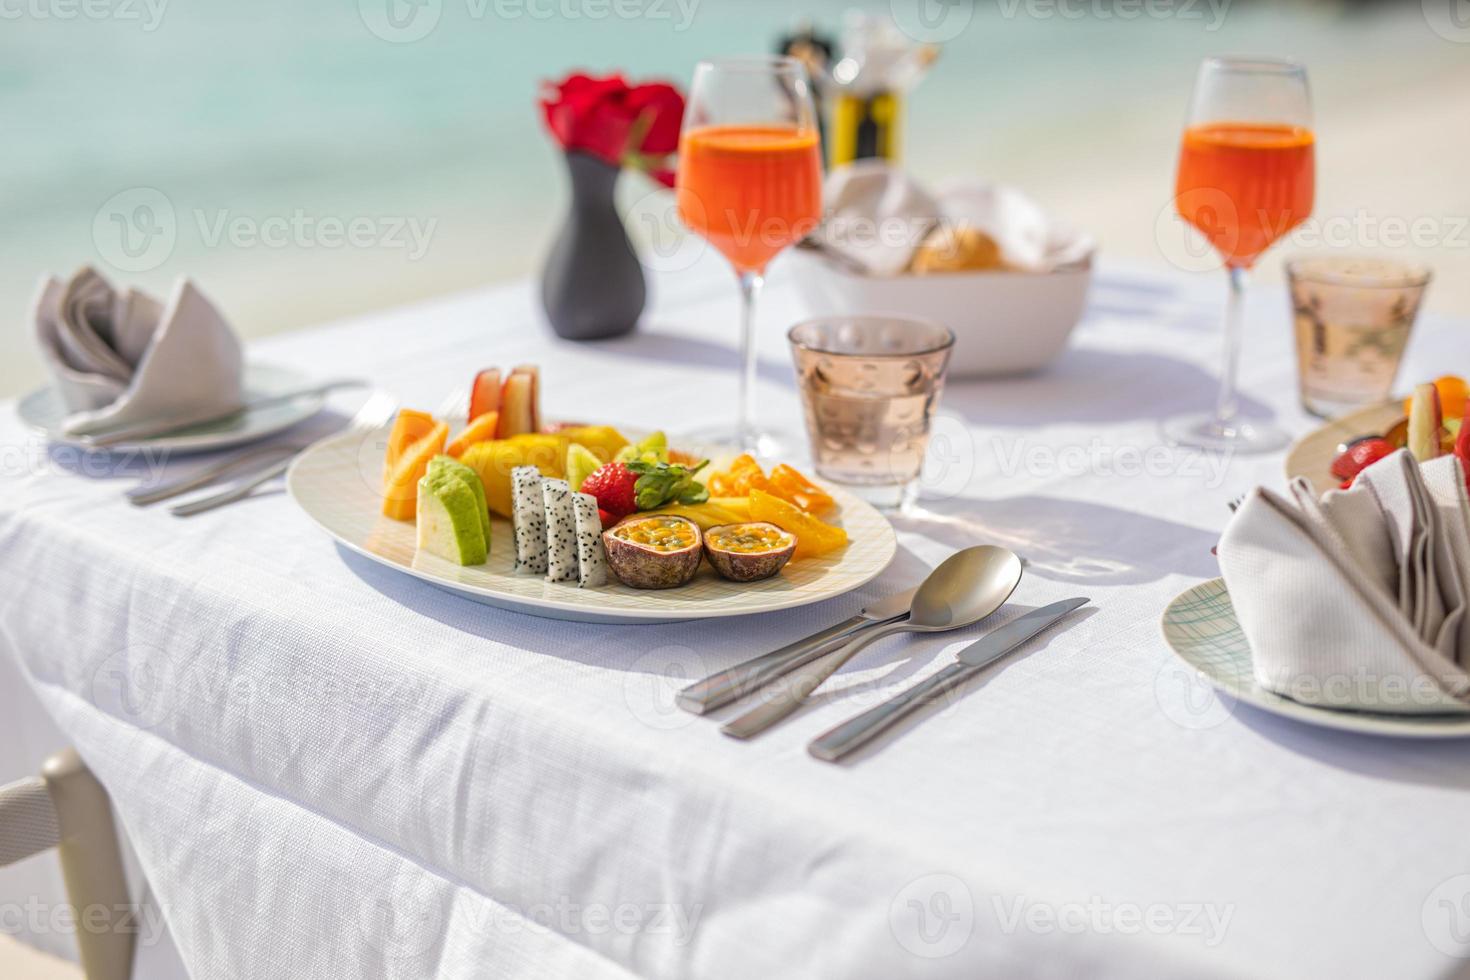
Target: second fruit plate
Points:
(336, 482)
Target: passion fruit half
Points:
(749, 551)
(659, 552)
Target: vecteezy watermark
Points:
(406, 914)
(1445, 917)
(137, 230)
(143, 684)
(1450, 19)
(410, 910)
(1018, 456)
(1216, 228)
(37, 918)
(148, 14)
(933, 916)
(304, 230)
(406, 21)
(654, 678)
(35, 457)
(1206, 920)
(1211, 13)
(1188, 699)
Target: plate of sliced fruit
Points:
(585, 522)
(1427, 423)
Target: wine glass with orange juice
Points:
(750, 183)
(1246, 178)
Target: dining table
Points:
(326, 768)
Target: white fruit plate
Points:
(336, 482)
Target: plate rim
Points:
(1362, 723)
(186, 444)
(575, 611)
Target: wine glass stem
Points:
(750, 287)
(1227, 405)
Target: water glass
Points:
(869, 386)
(1353, 317)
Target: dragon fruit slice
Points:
(591, 562)
(529, 520)
(561, 531)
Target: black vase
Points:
(592, 286)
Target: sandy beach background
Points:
(215, 116)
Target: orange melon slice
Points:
(401, 483)
(409, 427)
(813, 537)
(482, 429)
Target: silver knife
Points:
(720, 689)
(837, 742)
(147, 430)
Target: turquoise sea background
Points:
(211, 112)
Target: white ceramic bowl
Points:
(1004, 322)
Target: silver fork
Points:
(143, 496)
(378, 408)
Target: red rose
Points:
(621, 125)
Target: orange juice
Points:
(749, 190)
(1244, 185)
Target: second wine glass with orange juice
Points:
(1246, 178)
(750, 183)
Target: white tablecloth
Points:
(329, 770)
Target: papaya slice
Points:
(813, 537)
(401, 483)
(792, 484)
(482, 429)
(409, 427)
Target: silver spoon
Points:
(966, 587)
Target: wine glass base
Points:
(1235, 436)
(762, 443)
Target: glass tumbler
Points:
(869, 386)
(1353, 317)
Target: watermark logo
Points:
(654, 679)
(933, 916)
(1445, 917)
(135, 230)
(661, 235)
(1450, 19)
(932, 21)
(404, 916)
(137, 684)
(400, 21)
(1196, 245)
(1189, 700)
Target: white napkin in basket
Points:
(1358, 600)
(121, 357)
(878, 216)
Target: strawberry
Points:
(613, 486)
(1359, 456)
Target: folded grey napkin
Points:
(121, 357)
(1359, 599)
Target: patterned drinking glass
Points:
(869, 386)
(1353, 317)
